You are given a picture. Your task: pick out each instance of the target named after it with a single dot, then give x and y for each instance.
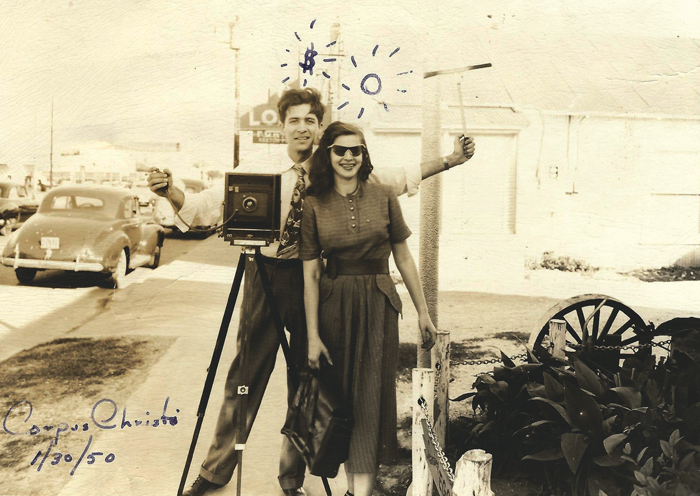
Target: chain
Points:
(433, 440)
(489, 361)
(600, 347)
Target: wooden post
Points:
(440, 357)
(473, 474)
(423, 380)
(557, 337)
(430, 206)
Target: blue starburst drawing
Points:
(310, 58)
(371, 83)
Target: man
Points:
(301, 113)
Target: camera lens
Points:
(250, 204)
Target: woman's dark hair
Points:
(321, 170)
(294, 97)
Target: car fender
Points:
(111, 247)
(154, 235)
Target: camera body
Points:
(252, 203)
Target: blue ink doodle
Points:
(362, 111)
(346, 87)
(394, 52)
(330, 44)
(68, 458)
(312, 24)
(327, 76)
(297, 35)
(104, 422)
(374, 52)
(309, 62)
(343, 105)
(364, 88)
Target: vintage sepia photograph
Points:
(328, 248)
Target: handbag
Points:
(319, 424)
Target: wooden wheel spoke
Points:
(581, 319)
(571, 331)
(626, 326)
(609, 322)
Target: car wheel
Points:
(25, 275)
(155, 258)
(6, 230)
(117, 277)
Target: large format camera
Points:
(252, 205)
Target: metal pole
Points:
(237, 126)
(430, 206)
(51, 150)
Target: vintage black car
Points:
(16, 206)
(85, 228)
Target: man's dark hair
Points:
(292, 98)
(321, 170)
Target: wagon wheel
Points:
(603, 319)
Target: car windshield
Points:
(79, 204)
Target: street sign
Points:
(269, 137)
(437, 470)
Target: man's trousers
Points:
(287, 281)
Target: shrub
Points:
(588, 431)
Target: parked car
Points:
(144, 193)
(16, 206)
(164, 214)
(85, 228)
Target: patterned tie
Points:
(290, 237)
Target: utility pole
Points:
(51, 150)
(237, 126)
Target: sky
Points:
(163, 70)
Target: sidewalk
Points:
(149, 461)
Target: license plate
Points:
(49, 243)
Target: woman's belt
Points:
(356, 267)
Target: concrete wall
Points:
(615, 192)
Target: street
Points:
(59, 302)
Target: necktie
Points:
(292, 228)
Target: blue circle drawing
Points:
(364, 80)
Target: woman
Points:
(352, 306)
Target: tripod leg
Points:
(213, 365)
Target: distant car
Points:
(85, 228)
(16, 206)
(164, 214)
(144, 193)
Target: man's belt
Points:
(356, 267)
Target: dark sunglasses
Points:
(342, 150)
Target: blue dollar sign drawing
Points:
(309, 62)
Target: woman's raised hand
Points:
(316, 349)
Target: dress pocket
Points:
(387, 286)
(325, 288)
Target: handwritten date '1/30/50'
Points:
(90, 458)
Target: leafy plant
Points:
(596, 431)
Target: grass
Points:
(61, 367)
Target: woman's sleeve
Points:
(398, 230)
(309, 245)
